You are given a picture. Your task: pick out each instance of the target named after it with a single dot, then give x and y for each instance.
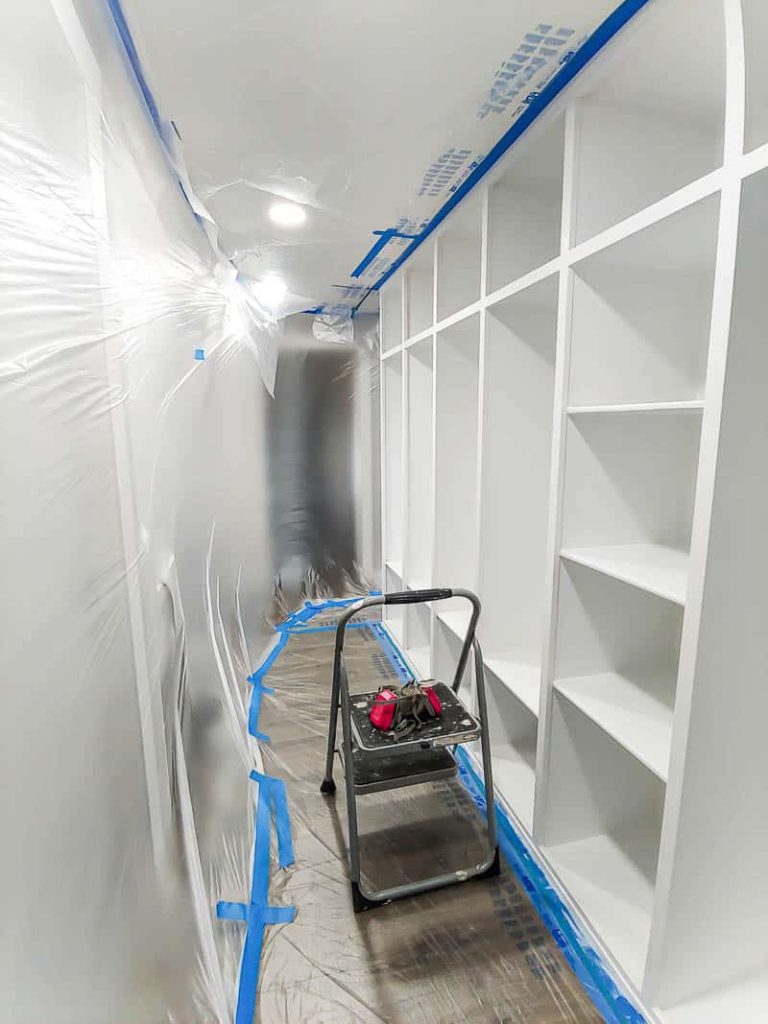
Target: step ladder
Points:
(373, 762)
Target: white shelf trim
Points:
(692, 405)
(655, 568)
(632, 714)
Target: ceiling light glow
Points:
(288, 215)
(272, 290)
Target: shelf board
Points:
(611, 877)
(633, 715)
(521, 679)
(457, 621)
(514, 778)
(744, 1000)
(694, 405)
(660, 570)
(395, 567)
(420, 659)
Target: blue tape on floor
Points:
(296, 622)
(257, 914)
(272, 809)
(391, 651)
(584, 960)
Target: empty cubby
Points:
(420, 514)
(458, 259)
(517, 433)
(456, 382)
(755, 47)
(419, 290)
(525, 207)
(602, 831)
(641, 311)
(391, 305)
(616, 659)
(392, 380)
(630, 481)
(513, 736)
(650, 120)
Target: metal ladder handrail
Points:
(340, 703)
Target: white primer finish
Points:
(617, 547)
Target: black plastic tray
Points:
(454, 725)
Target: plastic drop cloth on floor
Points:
(474, 952)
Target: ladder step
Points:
(377, 774)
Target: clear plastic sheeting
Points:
(135, 547)
(476, 952)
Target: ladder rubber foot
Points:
(361, 903)
(494, 868)
(327, 787)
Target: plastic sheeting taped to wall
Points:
(132, 425)
(138, 553)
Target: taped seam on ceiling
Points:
(535, 105)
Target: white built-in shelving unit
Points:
(575, 425)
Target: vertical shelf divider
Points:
(557, 469)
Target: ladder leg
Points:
(328, 785)
(485, 745)
(349, 780)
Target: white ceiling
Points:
(339, 105)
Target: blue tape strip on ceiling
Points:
(536, 104)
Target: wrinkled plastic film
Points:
(133, 425)
(474, 952)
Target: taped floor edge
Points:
(272, 812)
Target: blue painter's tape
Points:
(257, 914)
(200, 354)
(301, 630)
(278, 802)
(295, 622)
(584, 960)
(257, 682)
(133, 58)
(227, 911)
(569, 69)
(391, 651)
(385, 237)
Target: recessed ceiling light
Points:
(271, 290)
(288, 215)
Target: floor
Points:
(476, 952)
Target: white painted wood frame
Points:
(579, 431)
